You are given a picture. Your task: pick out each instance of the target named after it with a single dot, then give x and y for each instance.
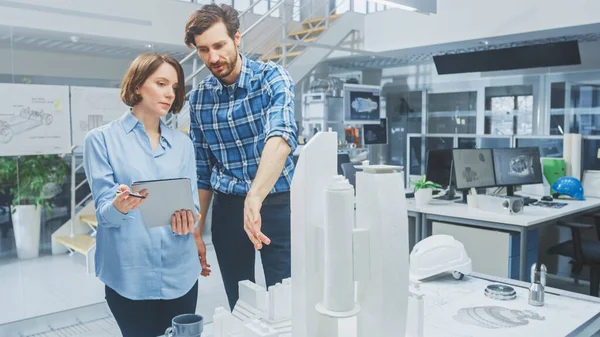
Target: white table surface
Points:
(563, 311)
(532, 215)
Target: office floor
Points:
(53, 293)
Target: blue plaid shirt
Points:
(231, 123)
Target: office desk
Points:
(564, 313)
(533, 217)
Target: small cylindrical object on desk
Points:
(576, 155)
(567, 152)
(472, 201)
(338, 292)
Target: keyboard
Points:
(550, 204)
(527, 200)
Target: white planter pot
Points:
(423, 196)
(26, 223)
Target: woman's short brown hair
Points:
(204, 18)
(143, 67)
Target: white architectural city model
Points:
(334, 248)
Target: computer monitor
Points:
(473, 168)
(517, 166)
(361, 104)
(376, 134)
(440, 171)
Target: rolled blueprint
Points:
(338, 291)
(576, 155)
(567, 140)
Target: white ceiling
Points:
(27, 39)
(415, 56)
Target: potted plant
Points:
(423, 190)
(31, 181)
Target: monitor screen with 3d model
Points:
(361, 104)
(517, 166)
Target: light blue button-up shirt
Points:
(137, 262)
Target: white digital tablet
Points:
(165, 196)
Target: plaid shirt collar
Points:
(243, 80)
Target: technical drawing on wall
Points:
(494, 317)
(37, 117)
(94, 107)
(25, 120)
(521, 166)
(93, 122)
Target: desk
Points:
(564, 313)
(447, 301)
(533, 217)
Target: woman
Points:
(150, 274)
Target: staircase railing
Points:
(322, 8)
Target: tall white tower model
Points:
(333, 246)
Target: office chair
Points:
(582, 252)
(350, 173)
(342, 158)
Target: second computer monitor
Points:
(517, 166)
(473, 168)
(439, 167)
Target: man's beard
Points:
(228, 67)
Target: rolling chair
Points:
(342, 158)
(582, 252)
(350, 173)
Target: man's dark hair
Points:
(206, 17)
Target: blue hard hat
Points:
(569, 186)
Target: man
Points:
(243, 127)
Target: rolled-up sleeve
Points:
(280, 112)
(190, 168)
(205, 159)
(100, 176)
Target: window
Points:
(509, 110)
(452, 112)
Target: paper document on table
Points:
(460, 309)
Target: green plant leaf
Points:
(24, 178)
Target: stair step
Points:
(81, 243)
(276, 57)
(89, 219)
(311, 31)
(291, 44)
(315, 21)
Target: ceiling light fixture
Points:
(395, 4)
(74, 39)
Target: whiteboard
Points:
(34, 119)
(92, 107)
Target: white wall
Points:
(464, 20)
(37, 63)
(143, 21)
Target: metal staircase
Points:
(309, 43)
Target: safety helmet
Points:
(569, 186)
